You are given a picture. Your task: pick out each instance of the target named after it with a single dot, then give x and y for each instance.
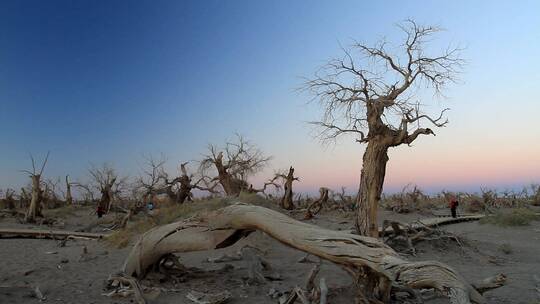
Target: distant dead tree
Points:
(153, 177)
(317, 205)
(68, 196)
(106, 180)
(50, 196)
(343, 201)
(286, 201)
(24, 198)
(8, 200)
(34, 210)
(155, 180)
(372, 94)
(238, 160)
(85, 191)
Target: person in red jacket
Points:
(453, 205)
(100, 211)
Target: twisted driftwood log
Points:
(226, 226)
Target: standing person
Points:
(100, 211)
(453, 205)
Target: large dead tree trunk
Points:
(106, 195)
(231, 185)
(354, 253)
(34, 210)
(371, 185)
(69, 197)
(287, 199)
(369, 92)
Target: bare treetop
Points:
(233, 164)
(383, 80)
(240, 158)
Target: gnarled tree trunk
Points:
(69, 197)
(287, 199)
(106, 196)
(371, 185)
(353, 252)
(34, 210)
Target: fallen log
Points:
(46, 234)
(431, 222)
(226, 226)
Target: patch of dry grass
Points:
(62, 212)
(517, 217)
(169, 212)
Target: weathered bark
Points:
(287, 199)
(231, 185)
(69, 197)
(184, 192)
(106, 195)
(226, 226)
(371, 185)
(316, 206)
(34, 210)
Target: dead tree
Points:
(86, 191)
(24, 198)
(106, 180)
(372, 93)
(34, 210)
(354, 253)
(50, 196)
(68, 196)
(286, 201)
(156, 181)
(238, 161)
(187, 185)
(317, 205)
(262, 190)
(153, 178)
(8, 200)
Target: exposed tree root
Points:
(226, 226)
(490, 283)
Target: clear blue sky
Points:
(96, 81)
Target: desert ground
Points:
(77, 272)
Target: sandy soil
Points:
(65, 275)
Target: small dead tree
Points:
(8, 200)
(50, 196)
(24, 198)
(317, 205)
(106, 180)
(286, 201)
(373, 95)
(34, 210)
(187, 185)
(153, 177)
(238, 160)
(179, 189)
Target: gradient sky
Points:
(96, 81)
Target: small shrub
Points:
(474, 206)
(518, 217)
